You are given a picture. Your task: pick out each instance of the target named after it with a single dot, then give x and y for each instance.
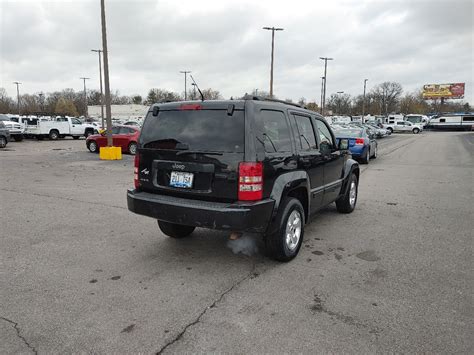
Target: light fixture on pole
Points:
(99, 51)
(363, 100)
(325, 80)
(85, 95)
(273, 29)
(185, 72)
(17, 83)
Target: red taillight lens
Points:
(250, 181)
(359, 141)
(136, 182)
(190, 107)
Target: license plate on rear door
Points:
(180, 179)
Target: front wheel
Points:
(285, 243)
(18, 138)
(390, 130)
(347, 202)
(3, 142)
(53, 135)
(416, 131)
(93, 147)
(175, 230)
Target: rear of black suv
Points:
(193, 169)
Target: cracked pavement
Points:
(79, 273)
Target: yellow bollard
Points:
(110, 153)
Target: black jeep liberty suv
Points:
(254, 165)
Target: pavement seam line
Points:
(212, 305)
(62, 198)
(17, 329)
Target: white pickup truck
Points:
(60, 127)
(403, 126)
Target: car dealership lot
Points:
(80, 273)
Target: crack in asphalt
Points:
(17, 329)
(213, 304)
(62, 198)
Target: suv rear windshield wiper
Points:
(182, 152)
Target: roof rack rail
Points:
(261, 98)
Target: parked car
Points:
(254, 165)
(4, 135)
(362, 143)
(16, 129)
(379, 132)
(403, 126)
(421, 120)
(60, 127)
(125, 137)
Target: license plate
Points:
(180, 179)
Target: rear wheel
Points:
(53, 134)
(390, 130)
(93, 147)
(366, 158)
(3, 142)
(175, 230)
(285, 243)
(416, 130)
(347, 202)
(375, 152)
(75, 137)
(132, 148)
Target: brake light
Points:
(250, 181)
(185, 107)
(136, 182)
(359, 141)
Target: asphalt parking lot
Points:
(80, 273)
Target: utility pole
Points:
(322, 90)
(363, 101)
(194, 91)
(85, 95)
(108, 110)
(339, 102)
(41, 100)
(273, 29)
(185, 72)
(256, 92)
(101, 92)
(325, 80)
(18, 95)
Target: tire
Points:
(18, 138)
(416, 131)
(132, 148)
(53, 134)
(375, 152)
(175, 230)
(366, 158)
(390, 129)
(347, 203)
(93, 147)
(75, 137)
(285, 243)
(3, 142)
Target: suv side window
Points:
(276, 133)
(306, 139)
(325, 138)
(115, 130)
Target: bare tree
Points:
(388, 94)
(7, 105)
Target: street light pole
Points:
(85, 95)
(325, 80)
(363, 101)
(108, 110)
(273, 29)
(185, 72)
(194, 91)
(322, 89)
(339, 102)
(41, 100)
(18, 95)
(99, 51)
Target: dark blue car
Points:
(362, 143)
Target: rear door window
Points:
(275, 132)
(202, 130)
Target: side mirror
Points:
(343, 144)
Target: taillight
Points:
(185, 107)
(135, 171)
(359, 141)
(250, 181)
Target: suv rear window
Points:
(204, 130)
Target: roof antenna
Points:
(200, 92)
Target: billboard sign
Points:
(447, 91)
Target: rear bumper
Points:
(239, 216)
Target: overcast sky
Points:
(46, 44)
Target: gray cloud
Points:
(46, 44)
